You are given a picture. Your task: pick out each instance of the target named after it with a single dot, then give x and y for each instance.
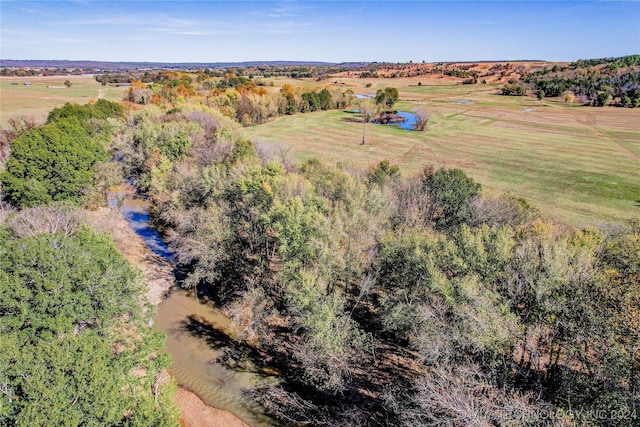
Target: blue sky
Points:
(333, 31)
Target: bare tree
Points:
(46, 219)
(422, 118)
(368, 110)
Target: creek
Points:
(207, 358)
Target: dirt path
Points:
(158, 274)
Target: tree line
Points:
(238, 97)
(597, 82)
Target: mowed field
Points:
(579, 165)
(47, 93)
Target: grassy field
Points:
(579, 165)
(46, 93)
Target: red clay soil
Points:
(196, 414)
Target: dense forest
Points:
(380, 299)
(389, 301)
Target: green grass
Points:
(47, 93)
(579, 165)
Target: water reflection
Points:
(136, 212)
(409, 122)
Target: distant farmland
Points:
(577, 164)
(46, 93)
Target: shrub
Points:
(422, 118)
(514, 89)
(602, 99)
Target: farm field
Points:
(47, 93)
(579, 165)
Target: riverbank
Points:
(158, 275)
(195, 413)
(158, 272)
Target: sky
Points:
(330, 31)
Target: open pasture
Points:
(579, 165)
(46, 93)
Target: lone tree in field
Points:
(68, 83)
(368, 111)
(422, 118)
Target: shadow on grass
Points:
(353, 116)
(352, 120)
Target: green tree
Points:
(54, 162)
(452, 191)
(602, 99)
(414, 267)
(384, 172)
(102, 109)
(387, 97)
(513, 89)
(74, 333)
(242, 149)
(326, 100)
(331, 340)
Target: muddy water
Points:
(207, 359)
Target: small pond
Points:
(402, 119)
(410, 120)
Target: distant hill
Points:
(114, 66)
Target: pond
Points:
(402, 119)
(410, 120)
